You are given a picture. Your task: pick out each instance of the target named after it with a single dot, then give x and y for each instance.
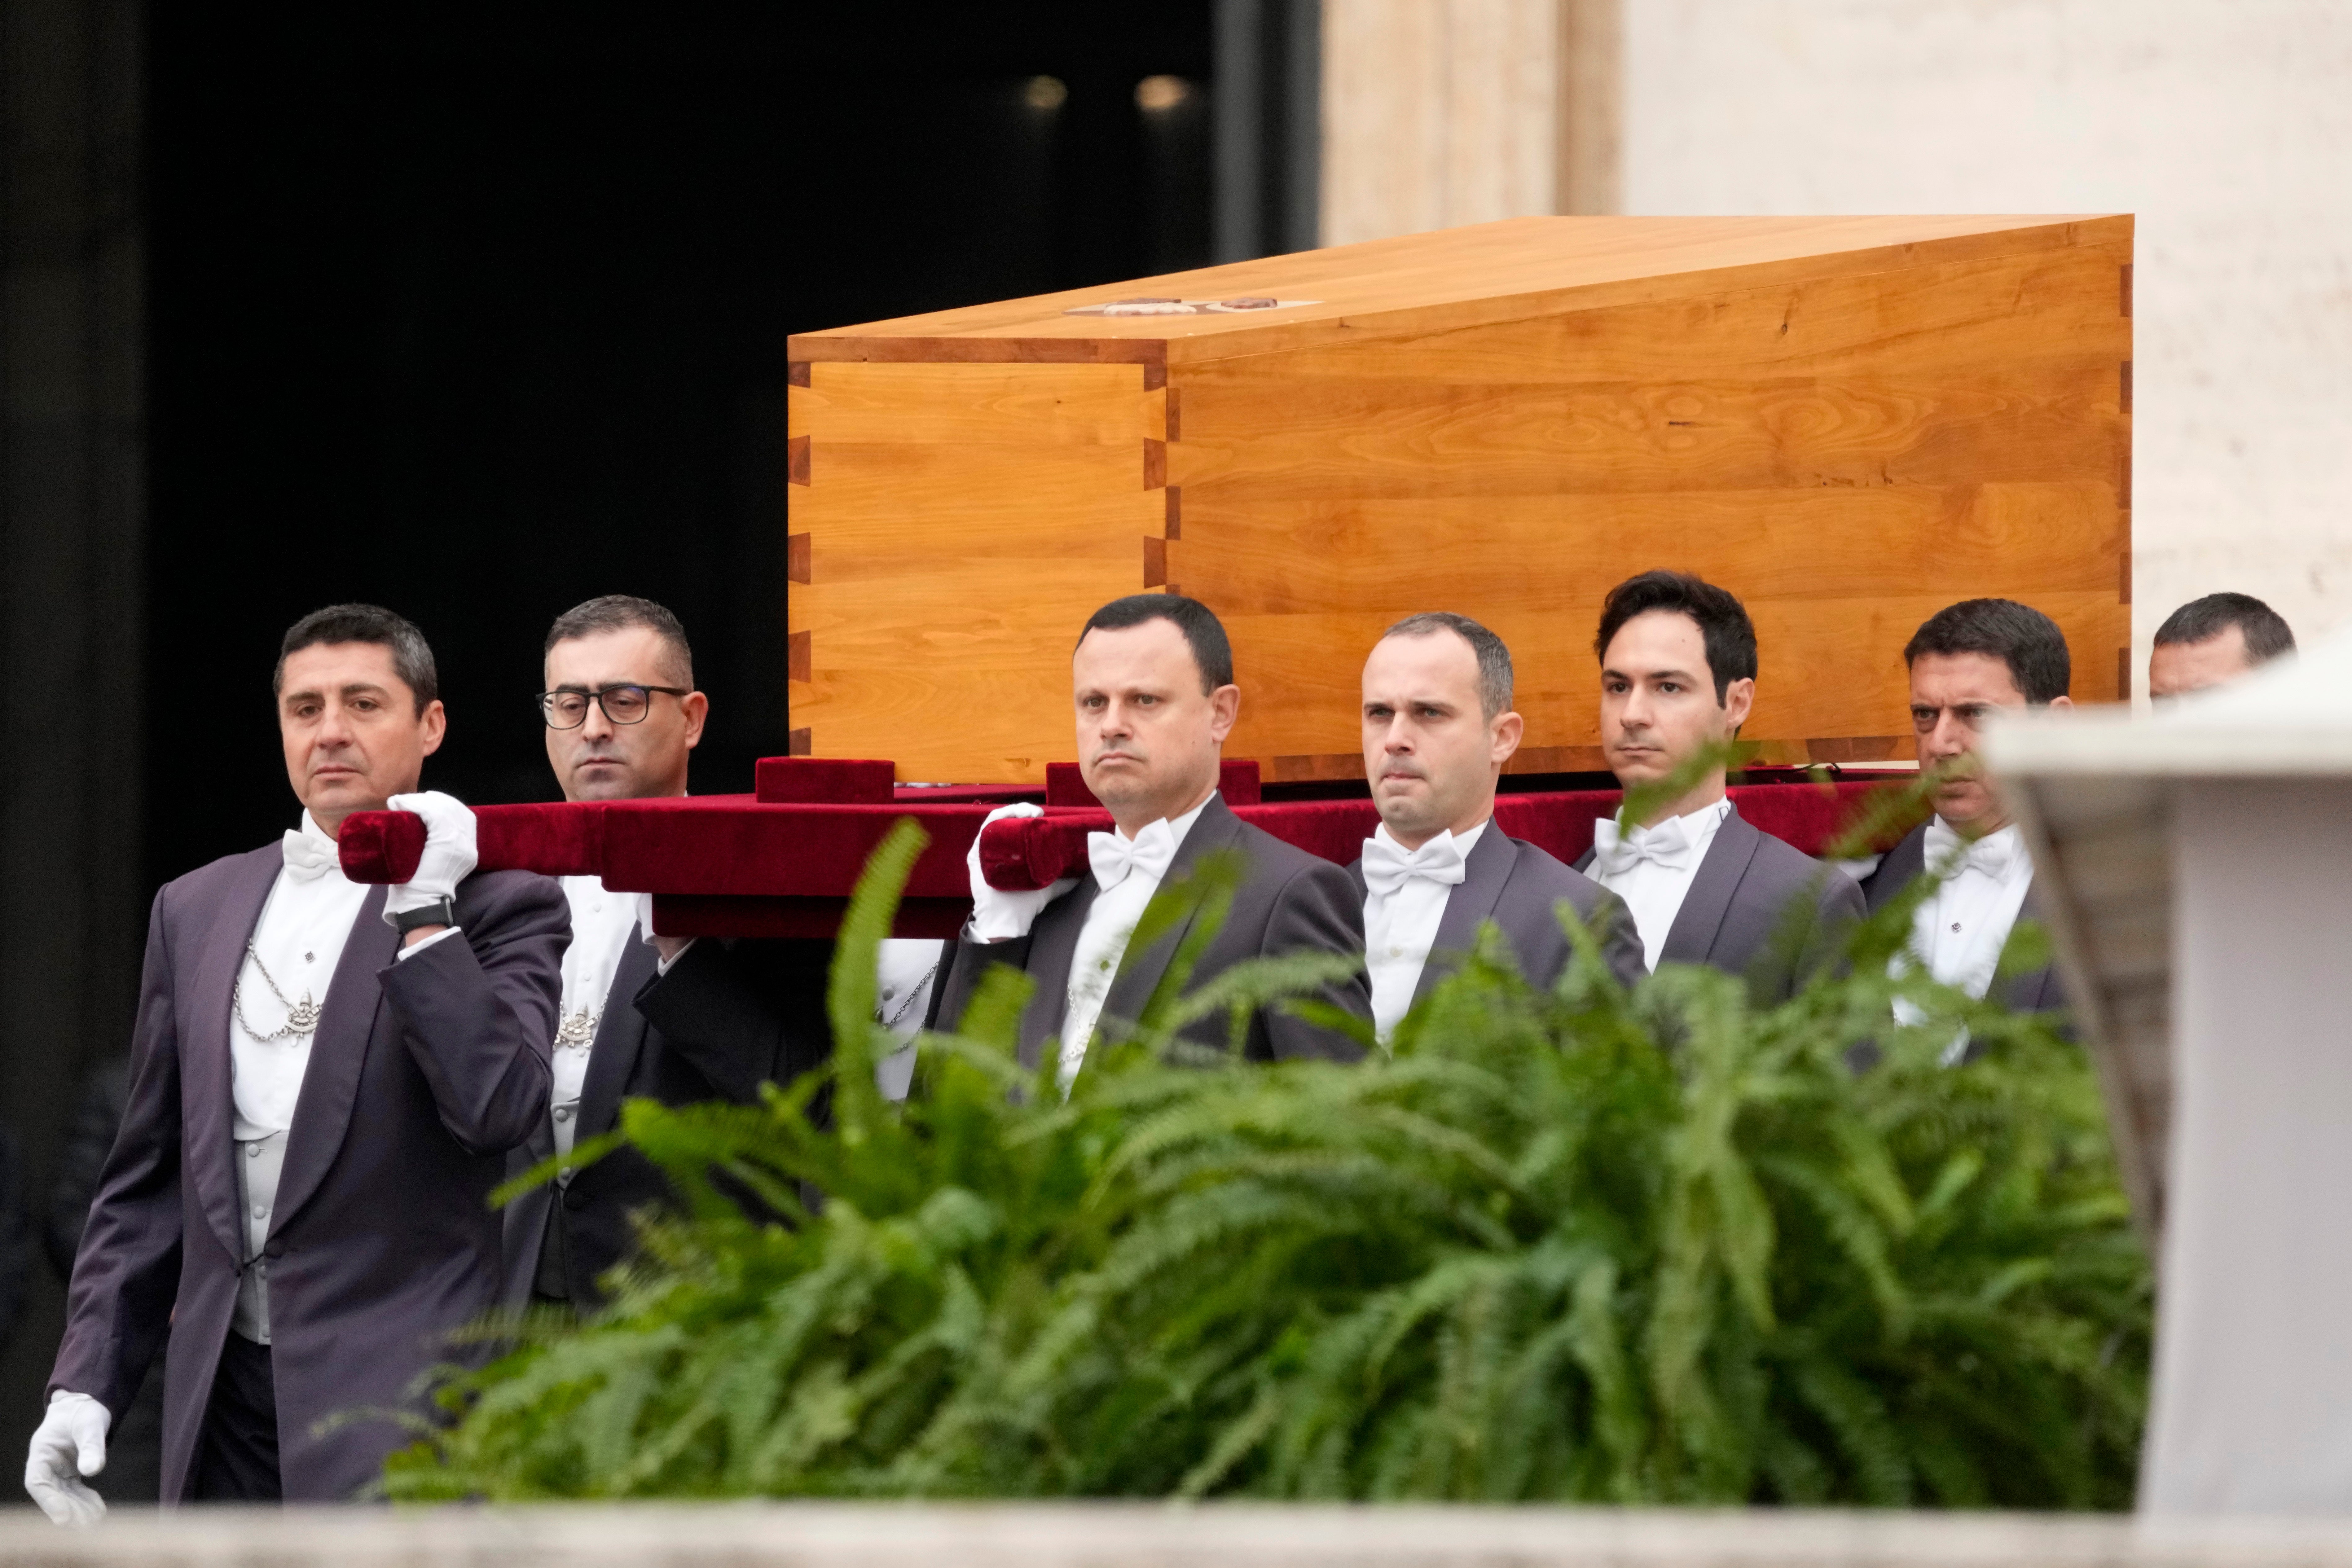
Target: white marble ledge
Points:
(1103, 1535)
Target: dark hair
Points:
(2266, 631)
(1493, 659)
(619, 613)
(1722, 621)
(1203, 633)
(2020, 635)
(412, 659)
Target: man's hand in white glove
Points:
(69, 1445)
(449, 855)
(997, 915)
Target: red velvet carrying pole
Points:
(764, 865)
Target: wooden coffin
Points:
(1849, 421)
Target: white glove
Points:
(71, 1443)
(997, 915)
(449, 855)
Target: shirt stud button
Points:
(258, 1211)
(253, 1151)
(563, 1114)
(1956, 925)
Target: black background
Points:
(481, 316)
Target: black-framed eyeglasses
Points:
(568, 710)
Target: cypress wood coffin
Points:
(1849, 421)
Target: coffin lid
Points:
(1448, 280)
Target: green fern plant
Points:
(1572, 1243)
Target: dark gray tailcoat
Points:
(1520, 888)
(1290, 901)
(1735, 916)
(422, 1074)
(2037, 992)
(725, 1019)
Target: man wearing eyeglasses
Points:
(644, 1016)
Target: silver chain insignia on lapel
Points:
(301, 1017)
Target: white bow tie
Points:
(1389, 865)
(1993, 854)
(309, 858)
(1669, 843)
(1115, 859)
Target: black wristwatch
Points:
(441, 912)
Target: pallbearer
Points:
(1968, 660)
(1677, 677)
(1152, 682)
(2211, 641)
(326, 1079)
(644, 1016)
(1438, 727)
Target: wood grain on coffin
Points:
(1271, 557)
(1489, 272)
(959, 671)
(960, 405)
(1557, 760)
(1295, 769)
(1849, 439)
(2045, 307)
(933, 485)
(1063, 347)
(1860, 749)
(1305, 440)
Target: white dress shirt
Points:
(1405, 895)
(1651, 868)
(1959, 929)
(295, 944)
(1127, 872)
(603, 924)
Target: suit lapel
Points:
(1903, 862)
(620, 1037)
(207, 1101)
(1053, 946)
(2030, 993)
(1139, 972)
(330, 1083)
(1471, 901)
(1692, 936)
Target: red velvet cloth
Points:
(823, 781)
(1033, 852)
(731, 865)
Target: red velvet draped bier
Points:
(782, 861)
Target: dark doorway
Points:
(479, 316)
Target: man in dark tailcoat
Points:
(1678, 665)
(1152, 685)
(326, 1079)
(1438, 727)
